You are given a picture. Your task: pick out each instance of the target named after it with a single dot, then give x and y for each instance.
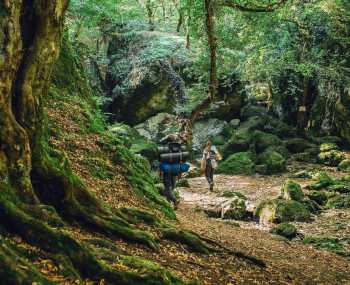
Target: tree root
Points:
(82, 258)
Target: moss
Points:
(339, 201)
(344, 165)
(281, 211)
(311, 206)
(323, 181)
(264, 140)
(319, 197)
(286, 230)
(239, 142)
(98, 167)
(324, 147)
(274, 162)
(292, 191)
(238, 163)
(340, 188)
(329, 243)
(331, 158)
(237, 210)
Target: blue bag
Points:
(174, 168)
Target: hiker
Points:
(209, 162)
(172, 157)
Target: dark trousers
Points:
(209, 172)
(169, 181)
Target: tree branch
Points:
(253, 8)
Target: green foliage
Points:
(328, 243)
(292, 191)
(273, 160)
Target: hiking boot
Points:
(211, 187)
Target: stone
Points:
(344, 165)
(274, 162)
(331, 157)
(292, 191)
(237, 210)
(286, 230)
(252, 110)
(319, 197)
(240, 141)
(339, 201)
(280, 211)
(235, 123)
(237, 163)
(264, 140)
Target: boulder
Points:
(339, 201)
(142, 81)
(253, 123)
(311, 206)
(281, 149)
(296, 145)
(292, 191)
(286, 230)
(264, 140)
(304, 157)
(237, 210)
(331, 157)
(234, 123)
(324, 147)
(323, 181)
(279, 128)
(205, 129)
(252, 110)
(344, 165)
(240, 141)
(158, 126)
(319, 197)
(274, 161)
(237, 163)
(280, 211)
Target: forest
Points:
(170, 142)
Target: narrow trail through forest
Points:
(288, 262)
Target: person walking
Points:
(209, 162)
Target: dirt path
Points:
(288, 262)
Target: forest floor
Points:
(288, 262)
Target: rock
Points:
(233, 194)
(292, 191)
(340, 188)
(339, 201)
(297, 145)
(311, 205)
(331, 157)
(261, 169)
(280, 211)
(237, 163)
(253, 123)
(205, 129)
(286, 230)
(234, 123)
(279, 128)
(183, 183)
(157, 127)
(323, 181)
(304, 157)
(319, 197)
(239, 142)
(301, 174)
(329, 139)
(143, 81)
(328, 147)
(344, 165)
(281, 149)
(252, 110)
(274, 161)
(264, 140)
(237, 210)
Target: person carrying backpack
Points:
(172, 158)
(209, 162)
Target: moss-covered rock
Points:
(311, 206)
(280, 211)
(252, 110)
(331, 157)
(264, 140)
(344, 165)
(239, 142)
(324, 147)
(273, 160)
(237, 210)
(339, 187)
(304, 157)
(286, 230)
(319, 197)
(323, 181)
(339, 201)
(237, 163)
(292, 191)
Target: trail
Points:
(292, 261)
